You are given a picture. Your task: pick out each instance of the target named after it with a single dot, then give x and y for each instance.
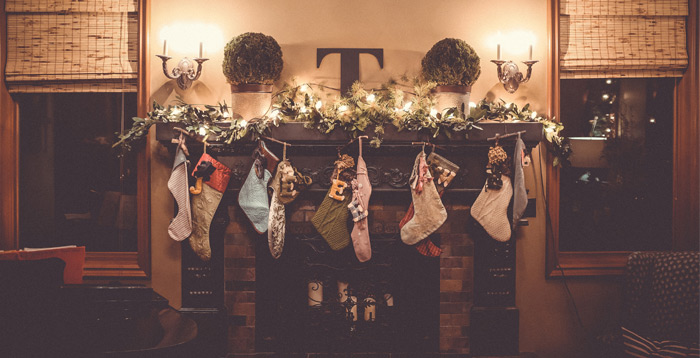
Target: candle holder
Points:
(510, 76)
(184, 72)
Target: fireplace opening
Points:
(314, 299)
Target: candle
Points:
(498, 51)
(201, 45)
(353, 310)
(315, 293)
(389, 299)
(530, 52)
(165, 47)
(370, 309)
(342, 291)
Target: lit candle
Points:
(498, 51)
(315, 293)
(201, 50)
(342, 291)
(353, 310)
(370, 309)
(389, 299)
(530, 52)
(165, 47)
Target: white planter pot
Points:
(250, 101)
(452, 96)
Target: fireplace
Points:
(263, 303)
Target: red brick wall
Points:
(456, 268)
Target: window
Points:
(633, 184)
(68, 51)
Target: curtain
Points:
(72, 46)
(622, 38)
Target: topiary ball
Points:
(451, 62)
(252, 57)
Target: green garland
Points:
(362, 111)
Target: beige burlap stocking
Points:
(429, 213)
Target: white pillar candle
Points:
(389, 299)
(315, 293)
(370, 309)
(342, 291)
(530, 52)
(165, 47)
(498, 51)
(353, 310)
(201, 50)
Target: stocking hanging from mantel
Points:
(181, 225)
(332, 217)
(215, 177)
(361, 192)
(253, 197)
(429, 213)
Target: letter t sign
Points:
(349, 63)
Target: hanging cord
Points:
(550, 227)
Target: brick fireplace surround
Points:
(225, 287)
(455, 270)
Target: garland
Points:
(362, 111)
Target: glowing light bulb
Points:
(305, 88)
(608, 81)
(370, 98)
(225, 114)
(304, 110)
(407, 106)
(433, 112)
(319, 104)
(652, 120)
(533, 115)
(243, 123)
(606, 96)
(202, 131)
(608, 130)
(472, 105)
(343, 108)
(176, 111)
(508, 105)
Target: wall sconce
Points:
(184, 72)
(508, 72)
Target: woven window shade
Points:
(72, 46)
(622, 38)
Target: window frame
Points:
(685, 165)
(98, 265)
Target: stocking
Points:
(204, 206)
(426, 247)
(253, 195)
(490, 209)
(429, 213)
(181, 225)
(519, 191)
(361, 195)
(331, 220)
(276, 219)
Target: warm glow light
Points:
(202, 131)
(407, 106)
(652, 120)
(533, 115)
(514, 43)
(370, 98)
(606, 96)
(472, 105)
(305, 88)
(343, 108)
(433, 112)
(184, 38)
(243, 123)
(319, 104)
(608, 81)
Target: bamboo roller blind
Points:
(622, 38)
(72, 46)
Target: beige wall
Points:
(405, 30)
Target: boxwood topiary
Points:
(451, 62)
(252, 57)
